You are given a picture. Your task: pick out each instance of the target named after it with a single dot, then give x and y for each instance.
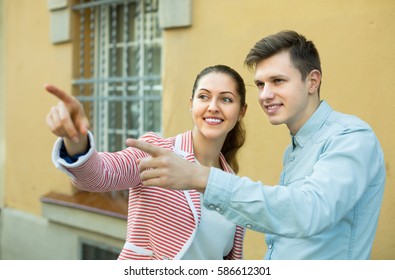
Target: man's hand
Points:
(165, 168)
(68, 120)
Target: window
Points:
(119, 64)
(91, 250)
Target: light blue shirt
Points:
(327, 203)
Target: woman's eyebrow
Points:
(222, 92)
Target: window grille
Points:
(92, 251)
(119, 65)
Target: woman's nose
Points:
(213, 106)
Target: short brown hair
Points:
(303, 53)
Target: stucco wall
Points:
(2, 109)
(31, 62)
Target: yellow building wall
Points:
(2, 109)
(30, 62)
(355, 40)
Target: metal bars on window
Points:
(118, 81)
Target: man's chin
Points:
(274, 121)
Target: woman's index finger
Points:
(60, 94)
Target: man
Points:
(327, 203)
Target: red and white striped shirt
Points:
(161, 222)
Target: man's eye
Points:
(278, 81)
(260, 84)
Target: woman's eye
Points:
(278, 81)
(227, 99)
(202, 96)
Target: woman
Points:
(163, 224)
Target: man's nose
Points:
(266, 93)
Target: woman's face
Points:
(216, 106)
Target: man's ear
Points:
(314, 81)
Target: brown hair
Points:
(236, 137)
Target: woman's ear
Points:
(190, 104)
(243, 111)
(315, 81)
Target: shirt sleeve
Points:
(63, 161)
(65, 155)
(100, 171)
(347, 166)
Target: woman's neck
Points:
(207, 150)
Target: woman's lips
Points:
(213, 120)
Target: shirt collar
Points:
(313, 124)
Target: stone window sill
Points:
(103, 213)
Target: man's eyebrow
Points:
(270, 78)
(277, 76)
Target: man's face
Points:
(283, 95)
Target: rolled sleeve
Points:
(61, 164)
